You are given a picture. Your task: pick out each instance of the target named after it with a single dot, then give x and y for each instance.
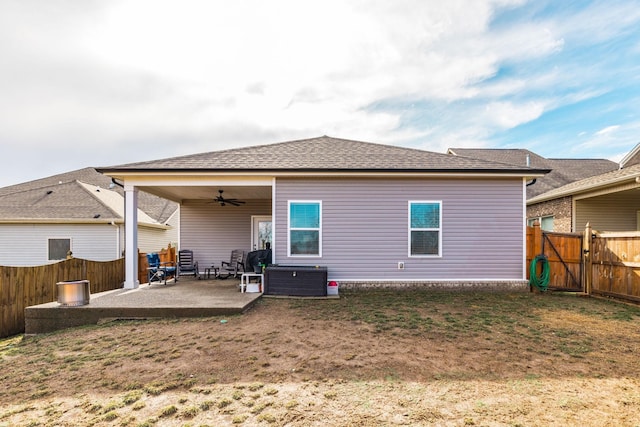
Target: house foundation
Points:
(474, 286)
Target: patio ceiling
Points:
(180, 193)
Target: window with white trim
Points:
(305, 228)
(58, 249)
(425, 228)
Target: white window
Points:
(425, 228)
(59, 248)
(305, 228)
(546, 222)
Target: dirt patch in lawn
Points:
(369, 358)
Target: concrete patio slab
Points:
(186, 298)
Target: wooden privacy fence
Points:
(167, 257)
(564, 254)
(21, 287)
(606, 264)
(614, 265)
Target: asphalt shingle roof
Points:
(62, 201)
(590, 183)
(563, 171)
(63, 196)
(322, 154)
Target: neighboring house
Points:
(555, 215)
(42, 220)
(608, 201)
(372, 214)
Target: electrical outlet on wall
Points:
(400, 265)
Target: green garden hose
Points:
(542, 281)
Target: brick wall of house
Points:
(559, 208)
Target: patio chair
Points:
(186, 264)
(234, 266)
(159, 271)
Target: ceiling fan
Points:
(223, 202)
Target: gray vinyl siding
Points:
(213, 231)
(365, 228)
(611, 212)
(27, 244)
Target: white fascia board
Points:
(629, 186)
(605, 187)
(629, 155)
(265, 178)
(196, 179)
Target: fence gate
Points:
(565, 256)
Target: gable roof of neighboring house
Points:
(77, 196)
(323, 154)
(632, 157)
(563, 171)
(629, 175)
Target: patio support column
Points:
(131, 236)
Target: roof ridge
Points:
(26, 190)
(502, 163)
(327, 154)
(268, 144)
(84, 186)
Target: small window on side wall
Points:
(425, 228)
(305, 228)
(546, 222)
(59, 248)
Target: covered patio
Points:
(341, 204)
(186, 298)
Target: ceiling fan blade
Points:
(223, 202)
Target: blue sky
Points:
(100, 83)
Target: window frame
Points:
(290, 228)
(539, 219)
(438, 229)
(49, 239)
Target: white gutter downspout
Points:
(118, 253)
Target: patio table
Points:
(207, 272)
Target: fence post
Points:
(537, 239)
(587, 247)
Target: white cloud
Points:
(612, 142)
(131, 80)
(509, 115)
(608, 130)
